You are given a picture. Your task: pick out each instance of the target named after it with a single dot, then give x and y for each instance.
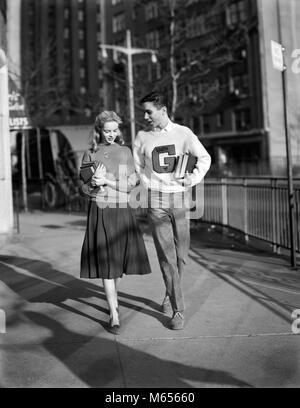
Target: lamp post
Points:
(129, 51)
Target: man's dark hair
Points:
(159, 100)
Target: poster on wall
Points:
(17, 113)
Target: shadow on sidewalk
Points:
(243, 273)
(79, 354)
(55, 287)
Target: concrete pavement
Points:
(238, 330)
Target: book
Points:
(185, 164)
(87, 170)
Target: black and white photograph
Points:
(149, 197)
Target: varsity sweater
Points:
(155, 156)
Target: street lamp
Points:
(129, 51)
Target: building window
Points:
(151, 10)
(195, 27)
(152, 39)
(118, 23)
(98, 18)
(115, 2)
(118, 105)
(149, 72)
(100, 74)
(220, 119)
(242, 119)
(134, 13)
(196, 124)
(82, 72)
(66, 33)
(81, 53)
(82, 90)
(81, 34)
(80, 15)
(158, 70)
(206, 124)
(236, 13)
(66, 13)
(239, 84)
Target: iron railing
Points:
(258, 207)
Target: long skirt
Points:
(113, 244)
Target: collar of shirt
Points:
(167, 128)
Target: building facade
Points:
(60, 60)
(226, 88)
(232, 97)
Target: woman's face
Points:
(110, 131)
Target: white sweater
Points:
(155, 154)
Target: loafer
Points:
(177, 321)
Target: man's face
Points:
(153, 115)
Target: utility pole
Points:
(130, 86)
(279, 63)
(291, 195)
(6, 202)
(129, 51)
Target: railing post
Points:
(245, 186)
(224, 204)
(274, 211)
(17, 209)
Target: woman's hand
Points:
(100, 172)
(98, 181)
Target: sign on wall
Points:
(17, 113)
(277, 56)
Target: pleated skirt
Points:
(113, 244)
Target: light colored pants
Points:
(171, 234)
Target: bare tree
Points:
(177, 18)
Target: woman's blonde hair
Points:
(101, 119)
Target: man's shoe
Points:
(167, 307)
(177, 321)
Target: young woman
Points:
(113, 244)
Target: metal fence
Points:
(258, 207)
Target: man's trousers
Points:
(171, 234)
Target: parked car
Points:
(50, 166)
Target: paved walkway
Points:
(238, 329)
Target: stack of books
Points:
(185, 164)
(87, 170)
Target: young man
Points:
(155, 152)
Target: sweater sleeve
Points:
(86, 157)
(129, 162)
(138, 156)
(86, 188)
(196, 148)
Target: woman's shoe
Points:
(113, 328)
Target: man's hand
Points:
(187, 181)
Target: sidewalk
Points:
(238, 330)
